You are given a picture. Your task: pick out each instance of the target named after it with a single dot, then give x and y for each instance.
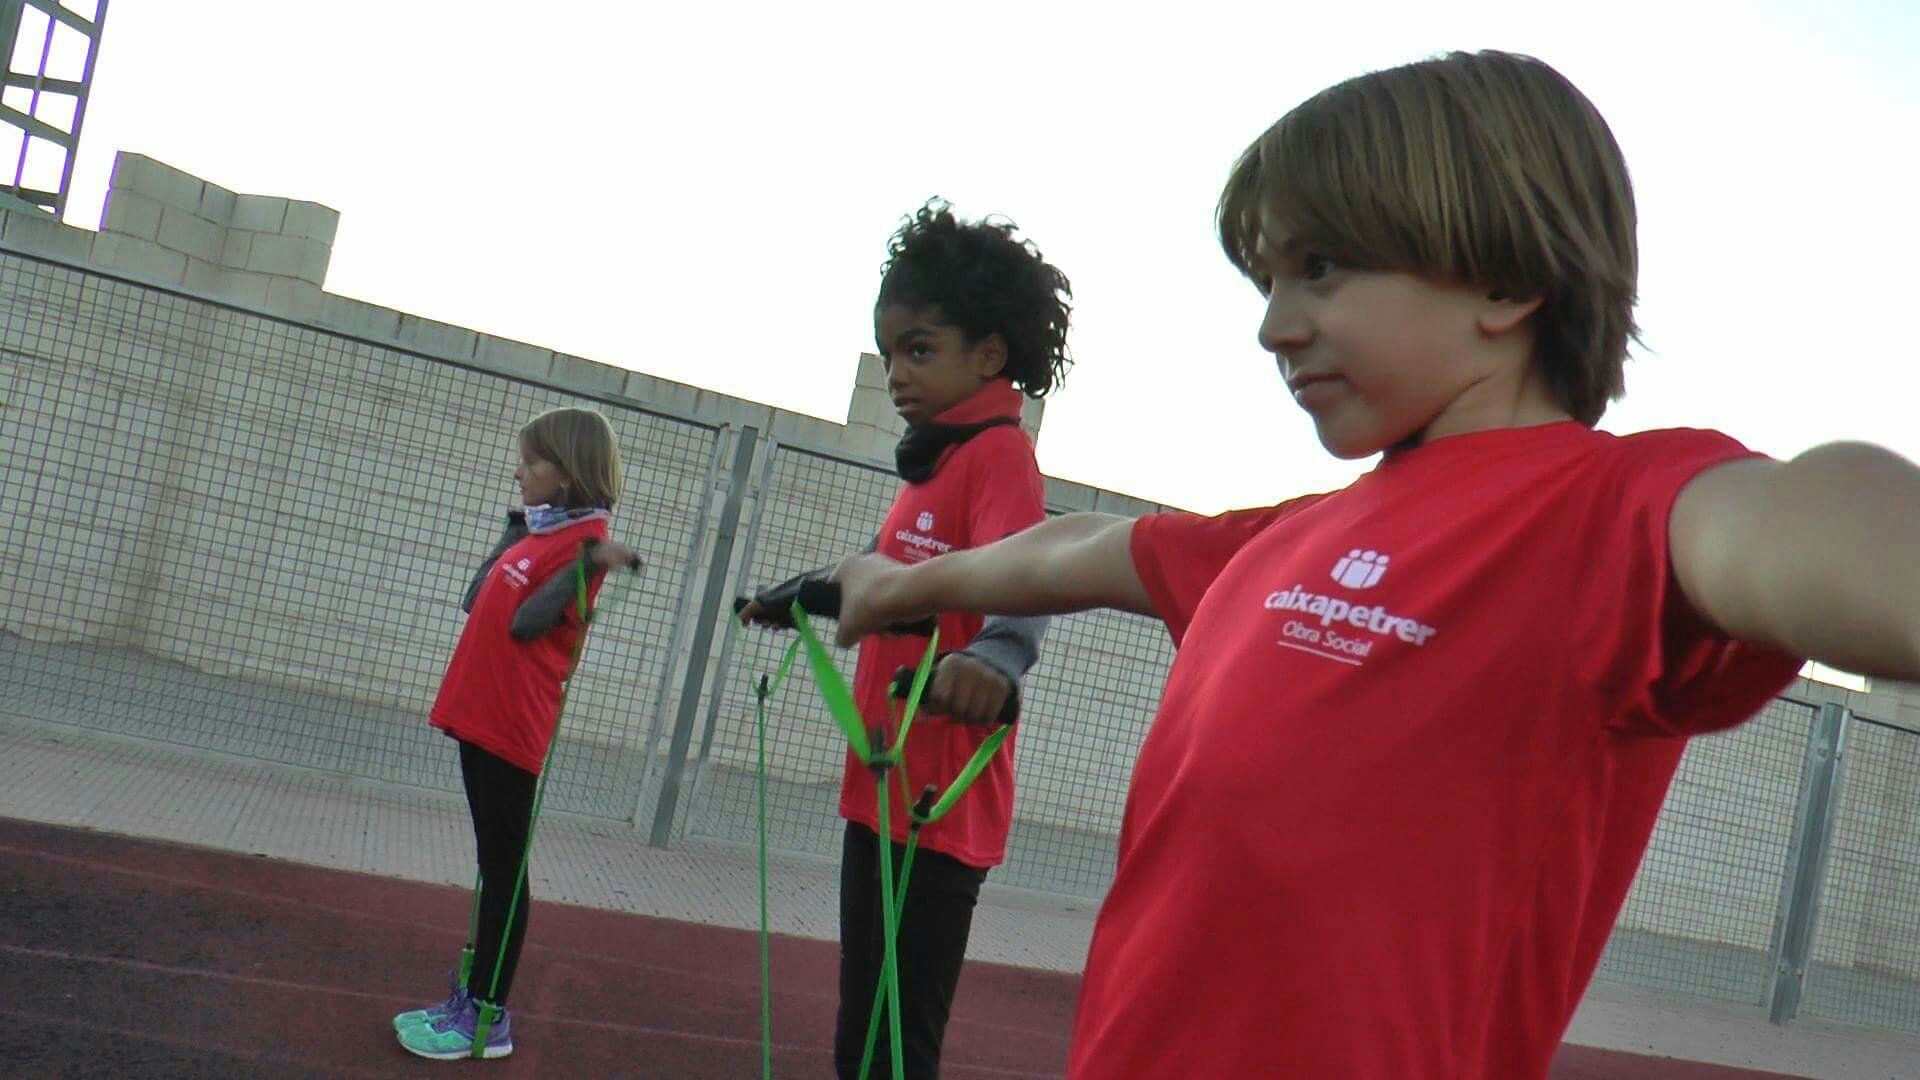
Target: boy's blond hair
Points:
(1489, 169)
(580, 443)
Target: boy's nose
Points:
(1284, 328)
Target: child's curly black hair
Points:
(983, 281)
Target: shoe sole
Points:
(489, 1054)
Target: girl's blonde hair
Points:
(580, 443)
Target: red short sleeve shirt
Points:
(500, 694)
(987, 489)
(1408, 756)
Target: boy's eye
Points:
(1315, 267)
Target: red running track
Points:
(131, 958)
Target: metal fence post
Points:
(680, 605)
(724, 668)
(709, 617)
(1806, 870)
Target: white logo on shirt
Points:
(1360, 569)
(1340, 629)
(526, 564)
(921, 547)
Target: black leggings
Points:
(500, 798)
(931, 944)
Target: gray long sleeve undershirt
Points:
(543, 609)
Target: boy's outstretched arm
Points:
(1074, 562)
(1819, 556)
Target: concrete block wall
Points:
(172, 228)
(80, 420)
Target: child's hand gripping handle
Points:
(817, 596)
(903, 685)
(610, 555)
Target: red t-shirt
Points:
(500, 694)
(987, 488)
(1406, 762)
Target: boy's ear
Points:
(1501, 313)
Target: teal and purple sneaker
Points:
(451, 1037)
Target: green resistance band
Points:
(871, 749)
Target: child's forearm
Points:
(1074, 562)
(545, 607)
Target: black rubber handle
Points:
(903, 685)
(817, 596)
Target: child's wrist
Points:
(904, 591)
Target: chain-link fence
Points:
(1785, 872)
(813, 510)
(1865, 967)
(1088, 703)
(250, 536)
(239, 534)
(1700, 917)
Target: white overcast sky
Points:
(703, 191)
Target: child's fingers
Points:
(616, 556)
(753, 613)
(938, 696)
(974, 705)
(967, 690)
